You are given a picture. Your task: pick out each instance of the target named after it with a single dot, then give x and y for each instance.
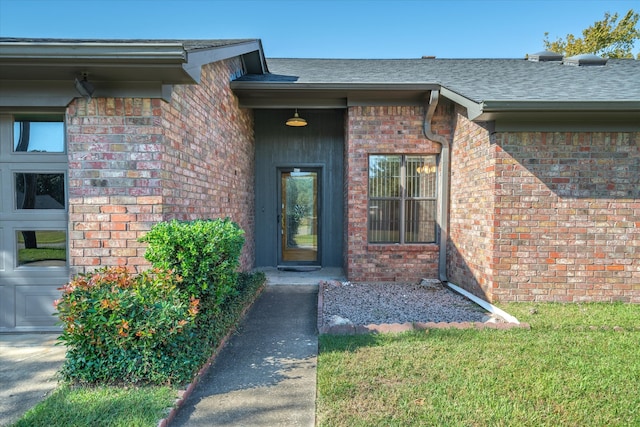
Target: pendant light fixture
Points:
(296, 120)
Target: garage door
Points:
(33, 219)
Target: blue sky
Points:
(322, 29)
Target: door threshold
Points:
(299, 268)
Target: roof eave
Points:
(562, 115)
(135, 69)
(250, 51)
(254, 94)
(91, 51)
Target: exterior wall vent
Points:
(584, 60)
(545, 56)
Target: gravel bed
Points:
(386, 303)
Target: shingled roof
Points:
(486, 87)
(476, 79)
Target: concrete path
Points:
(28, 367)
(266, 374)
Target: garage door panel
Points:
(34, 305)
(7, 304)
(33, 219)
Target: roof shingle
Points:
(476, 79)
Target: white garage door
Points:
(33, 219)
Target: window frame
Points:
(403, 198)
(12, 218)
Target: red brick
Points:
(138, 151)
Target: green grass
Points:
(571, 369)
(26, 256)
(101, 406)
(47, 236)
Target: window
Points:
(38, 134)
(39, 191)
(402, 199)
(41, 248)
(33, 183)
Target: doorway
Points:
(299, 222)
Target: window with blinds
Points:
(402, 199)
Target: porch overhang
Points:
(268, 95)
(507, 115)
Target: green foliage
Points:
(160, 326)
(120, 327)
(205, 253)
(607, 38)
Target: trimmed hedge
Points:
(205, 253)
(160, 326)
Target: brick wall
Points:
(135, 162)
(209, 154)
(470, 249)
(384, 130)
(115, 179)
(567, 217)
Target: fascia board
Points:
(551, 106)
(196, 59)
(568, 121)
(103, 52)
(249, 86)
(474, 109)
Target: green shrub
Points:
(120, 327)
(205, 253)
(160, 326)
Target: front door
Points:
(299, 216)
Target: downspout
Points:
(443, 212)
(443, 183)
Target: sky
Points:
(322, 29)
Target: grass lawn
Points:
(101, 406)
(573, 368)
(26, 256)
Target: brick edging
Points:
(183, 395)
(387, 328)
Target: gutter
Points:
(94, 52)
(443, 183)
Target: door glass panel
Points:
(299, 216)
(39, 191)
(41, 248)
(31, 136)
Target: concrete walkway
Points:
(28, 366)
(266, 374)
